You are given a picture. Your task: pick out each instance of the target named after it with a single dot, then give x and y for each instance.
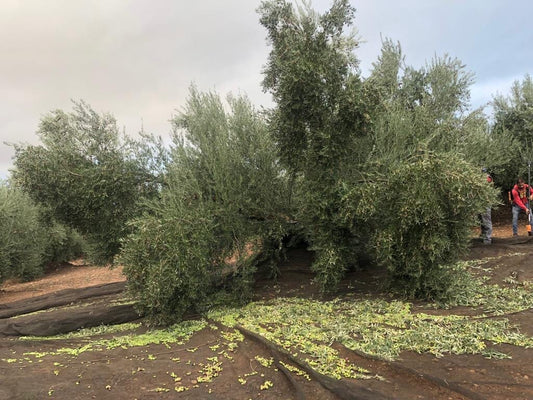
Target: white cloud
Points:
(483, 92)
(136, 59)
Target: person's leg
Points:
(528, 219)
(516, 211)
(487, 226)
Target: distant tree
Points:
(29, 239)
(513, 123)
(223, 212)
(22, 240)
(90, 177)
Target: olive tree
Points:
(88, 175)
(347, 143)
(317, 121)
(513, 125)
(223, 212)
(29, 238)
(425, 155)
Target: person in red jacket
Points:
(521, 195)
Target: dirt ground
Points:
(75, 274)
(212, 365)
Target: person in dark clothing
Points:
(486, 218)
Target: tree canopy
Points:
(87, 174)
(342, 137)
(513, 125)
(30, 238)
(222, 214)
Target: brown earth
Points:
(76, 274)
(151, 371)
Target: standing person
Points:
(520, 197)
(486, 218)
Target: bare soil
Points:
(150, 372)
(76, 274)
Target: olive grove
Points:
(381, 168)
(381, 171)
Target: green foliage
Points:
(475, 291)
(427, 108)
(90, 178)
(377, 145)
(221, 212)
(318, 120)
(85, 333)
(422, 219)
(515, 112)
(177, 333)
(22, 242)
(28, 239)
(167, 259)
(514, 124)
(428, 197)
(63, 243)
(311, 73)
(387, 165)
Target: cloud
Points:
(483, 92)
(137, 58)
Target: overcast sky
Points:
(137, 58)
